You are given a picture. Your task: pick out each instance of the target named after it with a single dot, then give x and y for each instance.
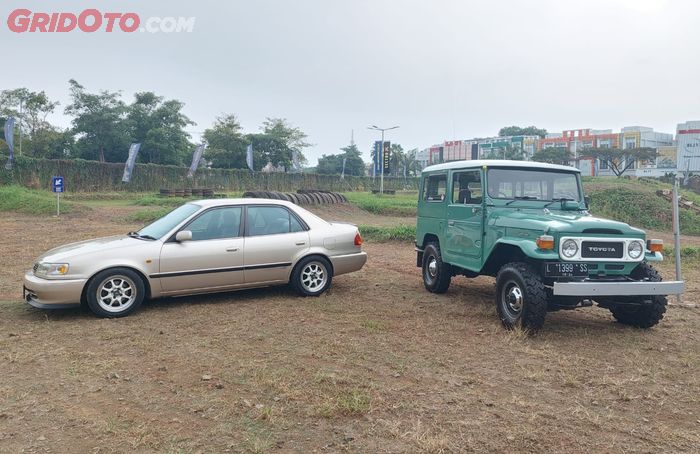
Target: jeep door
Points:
(464, 230)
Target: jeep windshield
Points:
(530, 185)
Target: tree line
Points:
(103, 125)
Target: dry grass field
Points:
(375, 365)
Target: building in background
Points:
(496, 146)
(680, 154)
(688, 146)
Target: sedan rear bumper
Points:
(593, 289)
(348, 263)
(52, 293)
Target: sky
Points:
(439, 69)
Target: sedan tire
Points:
(116, 292)
(312, 276)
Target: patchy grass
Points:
(400, 204)
(381, 234)
(154, 200)
(148, 215)
(29, 201)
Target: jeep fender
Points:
(506, 250)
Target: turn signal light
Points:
(655, 245)
(545, 242)
(358, 239)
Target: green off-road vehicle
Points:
(527, 224)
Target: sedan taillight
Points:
(358, 239)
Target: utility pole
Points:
(381, 156)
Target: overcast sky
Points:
(439, 69)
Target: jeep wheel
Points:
(647, 312)
(436, 273)
(521, 297)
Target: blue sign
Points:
(58, 184)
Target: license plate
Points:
(558, 269)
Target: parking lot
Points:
(375, 365)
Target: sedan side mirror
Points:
(183, 235)
(587, 201)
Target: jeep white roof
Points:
(468, 164)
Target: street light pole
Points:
(381, 156)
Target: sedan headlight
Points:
(569, 248)
(635, 249)
(50, 269)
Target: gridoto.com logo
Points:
(92, 20)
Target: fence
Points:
(93, 176)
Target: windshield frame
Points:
(175, 224)
(576, 175)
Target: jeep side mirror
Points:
(183, 235)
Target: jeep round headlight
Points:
(635, 249)
(569, 248)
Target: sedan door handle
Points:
(231, 249)
(300, 243)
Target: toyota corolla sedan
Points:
(201, 247)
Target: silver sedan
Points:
(201, 247)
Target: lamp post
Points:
(381, 157)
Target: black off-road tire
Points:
(653, 308)
(519, 285)
(301, 278)
(98, 286)
(436, 273)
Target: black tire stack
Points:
(301, 197)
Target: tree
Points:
(553, 155)
(618, 160)
(333, 164)
(413, 167)
(293, 137)
(99, 121)
(519, 131)
(226, 145)
(30, 110)
(272, 149)
(159, 127)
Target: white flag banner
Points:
(249, 156)
(9, 138)
(130, 161)
(196, 157)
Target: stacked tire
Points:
(301, 197)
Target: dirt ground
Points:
(375, 365)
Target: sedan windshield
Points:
(168, 222)
(521, 184)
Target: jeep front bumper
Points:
(622, 288)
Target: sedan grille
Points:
(602, 249)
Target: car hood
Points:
(95, 246)
(558, 221)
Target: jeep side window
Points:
(466, 187)
(435, 188)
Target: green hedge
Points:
(89, 176)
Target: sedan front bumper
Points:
(623, 288)
(52, 293)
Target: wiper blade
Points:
(140, 237)
(521, 197)
(560, 200)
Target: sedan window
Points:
(271, 220)
(218, 223)
(168, 222)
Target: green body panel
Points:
(470, 234)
